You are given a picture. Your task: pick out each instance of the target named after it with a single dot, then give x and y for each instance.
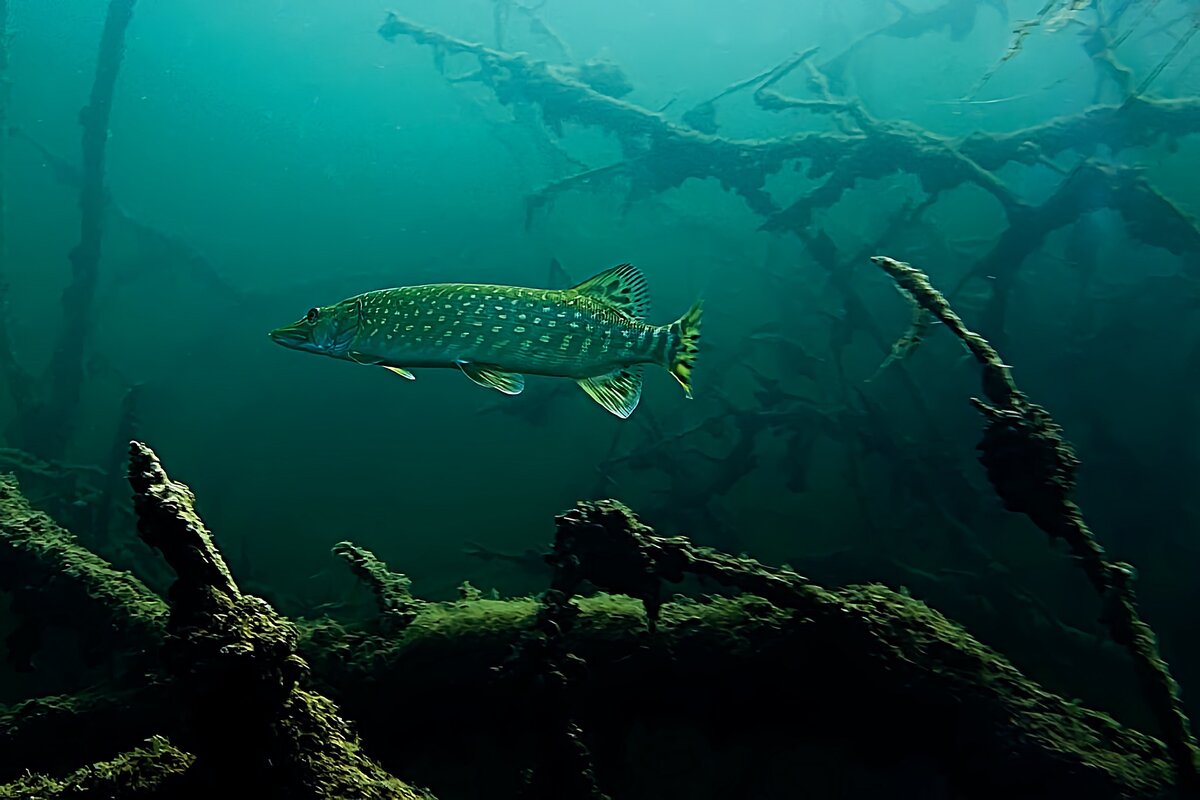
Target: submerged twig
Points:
(1053, 13)
(907, 344)
(392, 593)
(1166, 60)
(702, 116)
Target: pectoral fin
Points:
(402, 372)
(618, 391)
(506, 382)
(363, 358)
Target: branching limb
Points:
(158, 247)
(1053, 14)
(703, 115)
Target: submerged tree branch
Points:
(1032, 468)
(159, 248)
(234, 659)
(18, 381)
(660, 154)
(49, 431)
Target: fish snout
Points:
(294, 335)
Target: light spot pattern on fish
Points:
(595, 333)
(569, 335)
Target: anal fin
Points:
(492, 378)
(618, 391)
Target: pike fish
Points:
(595, 333)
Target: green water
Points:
(302, 158)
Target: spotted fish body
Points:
(594, 333)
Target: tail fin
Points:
(685, 336)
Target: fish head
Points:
(324, 330)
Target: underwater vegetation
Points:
(219, 704)
(918, 638)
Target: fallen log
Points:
(786, 684)
(871, 676)
(55, 581)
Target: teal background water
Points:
(307, 159)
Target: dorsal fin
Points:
(623, 287)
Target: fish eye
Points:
(312, 314)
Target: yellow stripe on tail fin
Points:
(685, 334)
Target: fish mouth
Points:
(289, 336)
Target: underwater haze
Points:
(1039, 160)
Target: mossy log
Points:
(877, 682)
(56, 734)
(874, 679)
(842, 692)
(55, 581)
(156, 770)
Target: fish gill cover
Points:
(178, 179)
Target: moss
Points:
(93, 725)
(250, 720)
(155, 770)
(865, 670)
(859, 679)
(392, 590)
(88, 593)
